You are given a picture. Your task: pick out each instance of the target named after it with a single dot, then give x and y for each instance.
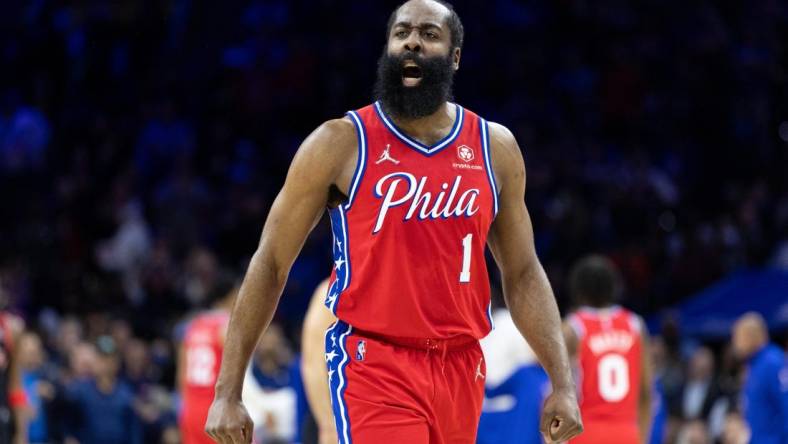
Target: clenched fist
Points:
(560, 417)
(229, 422)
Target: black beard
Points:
(410, 102)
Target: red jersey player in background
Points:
(416, 187)
(199, 358)
(610, 347)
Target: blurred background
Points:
(142, 143)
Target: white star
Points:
(330, 374)
(333, 340)
(338, 263)
(339, 244)
(330, 356)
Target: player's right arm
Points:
(646, 386)
(326, 159)
(313, 364)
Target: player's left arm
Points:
(645, 415)
(526, 289)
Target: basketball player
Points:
(416, 186)
(610, 346)
(13, 400)
(199, 358)
(313, 365)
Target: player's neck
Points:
(429, 129)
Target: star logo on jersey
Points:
(385, 156)
(465, 153)
(331, 355)
(331, 298)
(361, 350)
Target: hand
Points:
(229, 422)
(328, 435)
(560, 417)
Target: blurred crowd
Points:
(141, 144)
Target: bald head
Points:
(441, 12)
(749, 334)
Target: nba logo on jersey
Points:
(361, 350)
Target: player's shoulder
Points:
(505, 152)
(502, 138)
(337, 133)
(329, 146)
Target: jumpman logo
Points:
(384, 156)
(479, 370)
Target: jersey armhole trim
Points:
(361, 161)
(488, 163)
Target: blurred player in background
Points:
(610, 346)
(416, 187)
(515, 386)
(13, 401)
(766, 385)
(199, 358)
(313, 364)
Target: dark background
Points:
(142, 142)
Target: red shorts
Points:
(607, 432)
(382, 392)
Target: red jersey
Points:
(202, 346)
(609, 351)
(409, 241)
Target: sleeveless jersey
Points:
(609, 351)
(409, 241)
(203, 349)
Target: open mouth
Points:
(411, 74)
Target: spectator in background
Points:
(765, 392)
(102, 406)
(39, 390)
(272, 390)
(694, 432)
(735, 430)
(515, 386)
(700, 389)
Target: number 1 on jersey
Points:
(465, 274)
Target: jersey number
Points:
(465, 274)
(200, 363)
(613, 374)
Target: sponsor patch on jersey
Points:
(467, 155)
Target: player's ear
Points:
(456, 58)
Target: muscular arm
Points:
(320, 163)
(646, 386)
(525, 286)
(313, 363)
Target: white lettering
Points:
(617, 340)
(388, 200)
(421, 202)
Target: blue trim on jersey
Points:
(488, 162)
(341, 257)
(415, 144)
(340, 331)
(489, 316)
(361, 162)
